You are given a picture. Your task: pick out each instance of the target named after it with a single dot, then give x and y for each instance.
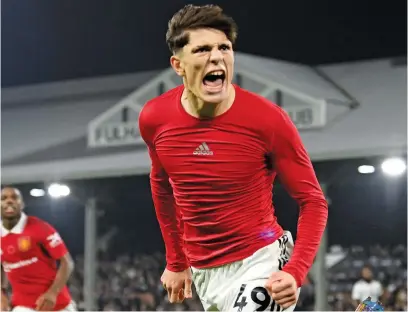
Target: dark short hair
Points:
(193, 17)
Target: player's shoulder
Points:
(154, 108)
(158, 112)
(259, 102)
(261, 108)
(33, 221)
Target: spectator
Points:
(366, 287)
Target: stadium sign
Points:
(115, 133)
(118, 126)
(307, 116)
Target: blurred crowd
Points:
(129, 283)
(132, 282)
(377, 271)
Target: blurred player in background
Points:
(30, 249)
(216, 150)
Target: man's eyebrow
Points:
(209, 46)
(202, 46)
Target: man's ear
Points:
(177, 65)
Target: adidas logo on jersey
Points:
(203, 149)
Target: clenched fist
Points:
(283, 288)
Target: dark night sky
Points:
(48, 40)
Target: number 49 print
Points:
(263, 300)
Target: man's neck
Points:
(10, 223)
(198, 108)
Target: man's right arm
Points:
(167, 215)
(4, 299)
(163, 199)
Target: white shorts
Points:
(239, 286)
(69, 308)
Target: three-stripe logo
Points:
(203, 149)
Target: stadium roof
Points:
(349, 131)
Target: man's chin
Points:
(9, 216)
(214, 97)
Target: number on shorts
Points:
(263, 302)
(240, 304)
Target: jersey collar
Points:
(18, 228)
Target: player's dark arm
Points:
(163, 199)
(66, 266)
(4, 283)
(296, 173)
(4, 297)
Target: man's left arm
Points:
(64, 272)
(56, 248)
(296, 173)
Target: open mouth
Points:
(214, 80)
(9, 209)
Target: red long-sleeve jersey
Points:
(29, 254)
(212, 179)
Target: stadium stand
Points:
(132, 282)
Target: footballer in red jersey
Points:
(215, 150)
(30, 249)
